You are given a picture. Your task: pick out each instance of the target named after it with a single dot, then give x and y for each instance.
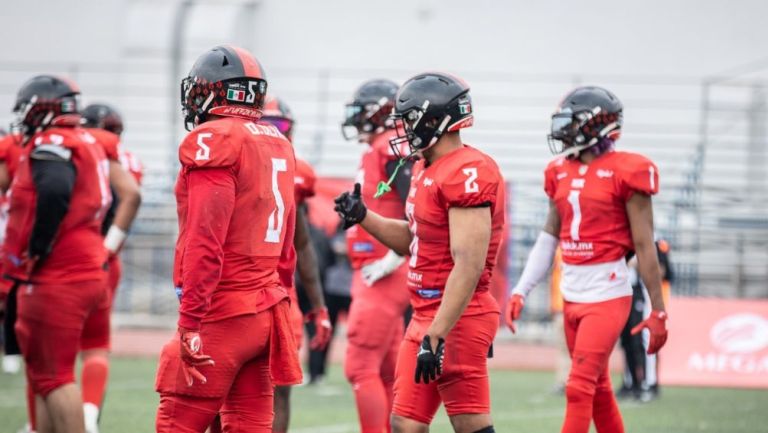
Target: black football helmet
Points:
(276, 112)
(427, 106)
(102, 116)
(225, 81)
(369, 109)
(45, 101)
(588, 118)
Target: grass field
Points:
(521, 403)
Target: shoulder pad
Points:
(474, 182)
(211, 144)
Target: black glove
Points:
(350, 207)
(429, 364)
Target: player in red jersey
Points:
(236, 219)
(600, 211)
(53, 247)
(379, 294)
(278, 114)
(106, 125)
(456, 216)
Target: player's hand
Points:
(514, 308)
(192, 356)
(656, 324)
(429, 361)
(323, 328)
(382, 267)
(350, 207)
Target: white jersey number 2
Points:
(275, 221)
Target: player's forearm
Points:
(307, 262)
(393, 233)
(128, 195)
(650, 273)
(459, 289)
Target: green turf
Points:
(521, 403)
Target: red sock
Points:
(31, 408)
(94, 379)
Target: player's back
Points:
(261, 226)
(76, 253)
(464, 178)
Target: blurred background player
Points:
(106, 125)
(379, 292)
(456, 216)
(236, 219)
(640, 379)
(303, 259)
(9, 161)
(53, 244)
(600, 210)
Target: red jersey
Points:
(363, 248)
(236, 219)
(462, 178)
(10, 151)
(303, 187)
(132, 164)
(77, 252)
(591, 201)
(109, 141)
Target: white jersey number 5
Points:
(275, 221)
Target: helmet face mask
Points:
(277, 113)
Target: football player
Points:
(600, 210)
(236, 219)
(455, 209)
(379, 294)
(277, 113)
(53, 246)
(106, 125)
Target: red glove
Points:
(323, 328)
(192, 356)
(656, 323)
(514, 308)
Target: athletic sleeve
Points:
(474, 184)
(209, 145)
(54, 177)
(211, 202)
(638, 174)
(550, 178)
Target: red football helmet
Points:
(277, 113)
(225, 81)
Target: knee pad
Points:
(488, 429)
(357, 367)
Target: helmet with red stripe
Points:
(102, 116)
(225, 81)
(46, 101)
(277, 113)
(429, 105)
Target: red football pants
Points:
(374, 333)
(591, 331)
(463, 387)
(51, 322)
(238, 386)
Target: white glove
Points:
(379, 269)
